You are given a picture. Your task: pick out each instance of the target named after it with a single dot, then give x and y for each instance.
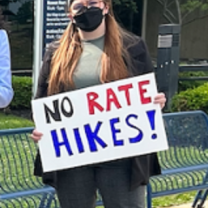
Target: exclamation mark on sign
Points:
(151, 117)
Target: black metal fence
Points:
(22, 72)
(194, 68)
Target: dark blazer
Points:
(142, 166)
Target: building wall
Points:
(195, 40)
(194, 34)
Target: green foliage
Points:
(191, 99)
(176, 11)
(128, 4)
(22, 92)
(6, 2)
(127, 14)
(25, 13)
(191, 5)
(184, 85)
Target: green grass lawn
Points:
(11, 122)
(172, 200)
(18, 147)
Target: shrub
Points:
(22, 92)
(191, 99)
(190, 84)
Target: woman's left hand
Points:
(160, 99)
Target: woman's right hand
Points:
(36, 135)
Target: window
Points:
(19, 15)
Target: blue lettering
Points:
(139, 137)
(92, 136)
(58, 144)
(78, 140)
(115, 131)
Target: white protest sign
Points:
(100, 123)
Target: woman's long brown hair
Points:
(66, 57)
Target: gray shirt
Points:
(87, 72)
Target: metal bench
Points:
(185, 164)
(18, 187)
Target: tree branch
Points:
(189, 12)
(168, 18)
(178, 6)
(172, 2)
(172, 15)
(193, 20)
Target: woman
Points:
(95, 50)
(6, 92)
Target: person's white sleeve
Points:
(6, 91)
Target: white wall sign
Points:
(101, 123)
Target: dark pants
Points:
(76, 188)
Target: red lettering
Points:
(126, 89)
(142, 91)
(111, 98)
(92, 104)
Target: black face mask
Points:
(89, 19)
